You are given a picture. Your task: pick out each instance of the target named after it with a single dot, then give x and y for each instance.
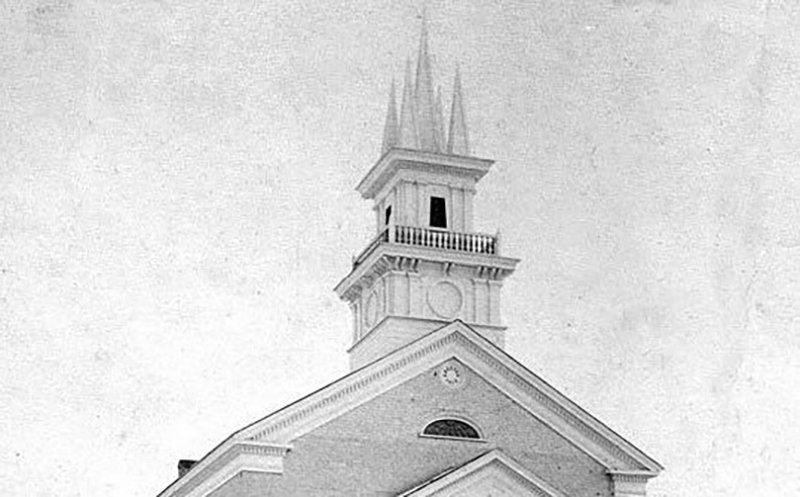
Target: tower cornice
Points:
(382, 256)
(397, 159)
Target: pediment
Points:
(454, 341)
(459, 341)
(493, 474)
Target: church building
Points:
(434, 404)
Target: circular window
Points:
(452, 375)
(445, 299)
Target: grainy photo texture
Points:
(384, 248)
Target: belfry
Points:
(434, 405)
(426, 266)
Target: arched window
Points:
(451, 428)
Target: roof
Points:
(261, 445)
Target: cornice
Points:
(385, 256)
(610, 450)
(399, 158)
(492, 460)
(270, 436)
(226, 461)
(631, 476)
(382, 369)
(556, 407)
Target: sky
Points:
(177, 203)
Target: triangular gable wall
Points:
(273, 434)
(493, 473)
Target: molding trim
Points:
(383, 368)
(629, 483)
(270, 436)
(548, 405)
(203, 479)
(495, 461)
(556, 407)
(385, 256)
(401, 158)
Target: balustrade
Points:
(474, 243)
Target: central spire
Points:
(421, 125)
(426, 111)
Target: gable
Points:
(286, 430)
(377, 448)
(493, 474)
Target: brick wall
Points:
(376, 450)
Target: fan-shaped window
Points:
(451, 428)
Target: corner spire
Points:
(426, 121)
(458, 142)
(407, 135)
(390, 130)
(439, 118)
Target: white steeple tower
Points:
(426, 266)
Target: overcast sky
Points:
(177, 203)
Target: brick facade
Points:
(375, 449)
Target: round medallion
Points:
(445, 299)
(371, 310)
(452, 375)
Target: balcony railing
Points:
(473, 243)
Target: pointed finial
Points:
(390, 129)
(407, 136)
(426, 125)
(458, 141)
(439, 118)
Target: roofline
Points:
(287, 406)
(617, 438)
(475, 165)
(573, 403)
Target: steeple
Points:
(421, 124)
(390, 128)
(408, 121)
(457, 141)
(440, 136)
(426, 117)
(426, 266)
